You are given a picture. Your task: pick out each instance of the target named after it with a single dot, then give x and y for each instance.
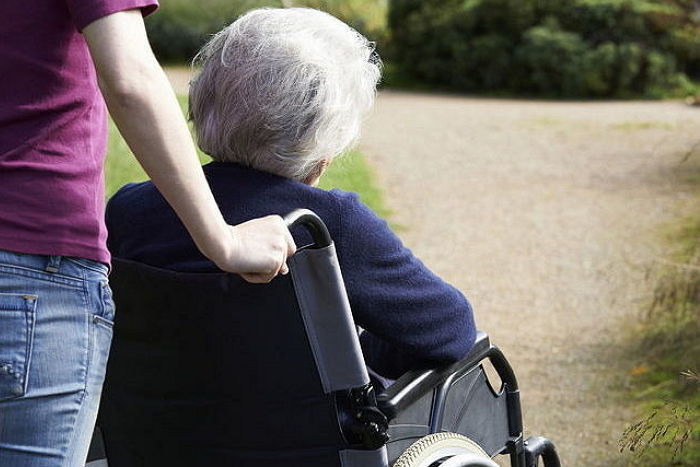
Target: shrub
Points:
(549, 47)
(181, 27)
(550, 58)
(366, 16)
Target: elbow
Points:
(468, 340)
(121, 93)
(469, 330)
(463, 336)
(126, 89)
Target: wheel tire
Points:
(432, 448)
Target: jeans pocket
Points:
(101, 335)
(102, 331)
(17, 318)
(107, 302)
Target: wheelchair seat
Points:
(206, 369)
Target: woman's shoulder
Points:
(343, 197)
(349, 203)
(353, 214)
(360, 230)
(330, 204)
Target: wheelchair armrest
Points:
(414, 384)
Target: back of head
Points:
(282, 89)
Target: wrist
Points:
(220, 245)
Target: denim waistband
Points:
(77, 268)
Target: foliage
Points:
(180, 27)
(350, 172)
(667, 436)
(366, 16)
(666, 348)
(592, 48)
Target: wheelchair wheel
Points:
(444, 450)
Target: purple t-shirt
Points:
(53, 128)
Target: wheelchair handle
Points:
(312, 223)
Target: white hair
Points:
(280, 90)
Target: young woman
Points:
(60, 61)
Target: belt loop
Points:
(53, 264)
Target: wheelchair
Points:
(448, 416)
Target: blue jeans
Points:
(56, 316)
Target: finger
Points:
(291, 244)
(281, 265)
(252, 278)
(258, 278)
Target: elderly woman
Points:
(280, 94)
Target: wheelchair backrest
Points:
(251, 374)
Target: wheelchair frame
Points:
(457, 398)
(434, 385)
(417, 390)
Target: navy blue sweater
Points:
(412, 318)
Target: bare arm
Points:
(143, 105)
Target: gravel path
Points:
(546, 215)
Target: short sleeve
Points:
(85, 12)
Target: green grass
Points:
(351, 172)
(667, 401)
(665, 348)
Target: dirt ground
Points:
(547, 216)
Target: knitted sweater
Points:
(413, 318)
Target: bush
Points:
(366, 16)
(550, 59)
(594, 48)
(180, 27)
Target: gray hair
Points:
(282, 89)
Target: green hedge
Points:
(586, 48)
(180, 27)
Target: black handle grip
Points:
(313, 224)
